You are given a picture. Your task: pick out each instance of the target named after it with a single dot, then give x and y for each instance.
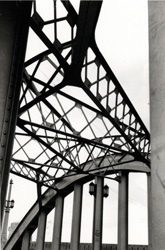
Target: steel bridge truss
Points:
(73, 112)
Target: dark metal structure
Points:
(74, 121)
(78, 83)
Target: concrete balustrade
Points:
(88, 246)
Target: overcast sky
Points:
(122, 36)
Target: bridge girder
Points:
(65, 80)
(80, 83)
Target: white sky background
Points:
(122, 37)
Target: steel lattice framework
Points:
(73, 112)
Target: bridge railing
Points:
(88, 246)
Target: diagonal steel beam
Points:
(14, 24)
(86, 24)
(130, 139)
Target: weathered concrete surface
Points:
(157, 100)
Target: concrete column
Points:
(157, 116)
(76, 217)
(14, 23)
(41, 231)
(26, 240)
(98, 215)
(123, 212)
(149, 207)
(56, 242)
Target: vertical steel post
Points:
(76, 216)
(123, 212)
(26, 240)
(98, 214)
(41, 230)
(57, 230)
(157, 121)
(14, 23)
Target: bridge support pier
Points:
(123, 212)
(58, 223)
(41, 231)
(76, 216)
(157, 114)
(98, 214)
(26, 240)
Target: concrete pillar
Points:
(56, 242)
(76, 217)
(157, 120)
(26, 240)
(149, 207)
(41, 231)
(14, 23)
(123, 212)
(98, 215)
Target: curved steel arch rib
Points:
(72, 109)
(65, 187)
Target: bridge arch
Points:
(72, 183)
(68, 152)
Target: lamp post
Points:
(99, 191)
(9, 204)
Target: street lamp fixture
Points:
(9, 204)
(12, 203)
(106, 191)
(93, 190)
